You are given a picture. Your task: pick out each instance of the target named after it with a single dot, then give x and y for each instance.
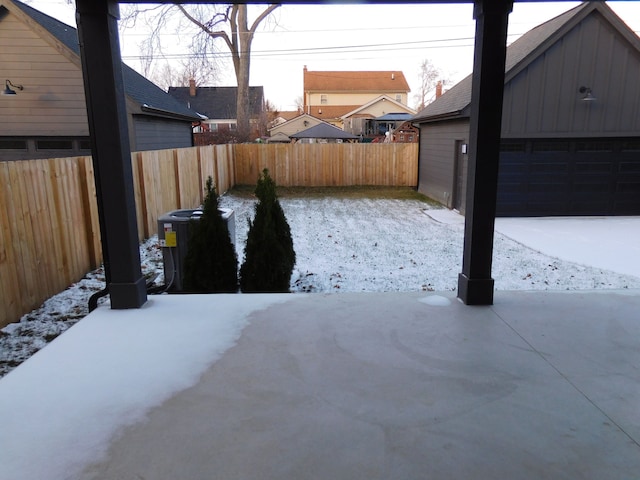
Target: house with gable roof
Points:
(323, 132)
(47, 117)
(294, 125)
(570, 122)
(376, 118)
(277, 118)
(218, 105)
(330, 95)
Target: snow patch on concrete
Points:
(107, 373)
(436, 301)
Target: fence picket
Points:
(49, 226)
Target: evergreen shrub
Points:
(211, 263)
(269, 254)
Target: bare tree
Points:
(429, 77)
(269, 117)
(167, 74)
(229, 23)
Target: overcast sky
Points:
(357, 37)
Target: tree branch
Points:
(213, 34)
(262, 16)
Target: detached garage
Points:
(570, 126)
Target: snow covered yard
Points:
(342, 244)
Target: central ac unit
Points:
(173, 236)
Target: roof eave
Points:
(459, 114)
(168, 114)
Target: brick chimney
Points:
(192, 87)
(439, 89)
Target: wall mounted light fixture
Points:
(588, 95)
(7, 88)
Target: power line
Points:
(342, 49)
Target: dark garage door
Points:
(569, 177)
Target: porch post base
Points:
(474, 291)
(128, 295)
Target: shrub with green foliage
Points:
(211, 263)
(269, 254)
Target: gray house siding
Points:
(152, 133)
(542, 100)
(436, 172)
(560, 154)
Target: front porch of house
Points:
(340, 386)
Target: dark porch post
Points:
(475, 285)
(104, 90)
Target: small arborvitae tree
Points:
(211, 263)
(269, 256)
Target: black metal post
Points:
(475, 285)
(104, 90)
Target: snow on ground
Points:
(350, 245)
(602, 242)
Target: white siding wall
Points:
(350, 98)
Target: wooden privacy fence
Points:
(49, 229)
(331, 164)
(47, 235)
(167, 180)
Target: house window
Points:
(323, 99)
(233, 127)
(54, 144)
(399, 97)
(512, 147)
(550, 146)
(411, 138)
(631, 146)
(594, 146)
(10, 144)
(402, 138)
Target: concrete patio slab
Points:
(395, 385)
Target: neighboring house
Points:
(219, 106)
(406, 133)
(323, 133)
(570, 126)
(376, 118)
(331, 95)
(48, 117)
(297, 124)
(278, 138)
(278, 118)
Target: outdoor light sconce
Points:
(7, 88)
(588, 96)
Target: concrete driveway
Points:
(611, 243)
